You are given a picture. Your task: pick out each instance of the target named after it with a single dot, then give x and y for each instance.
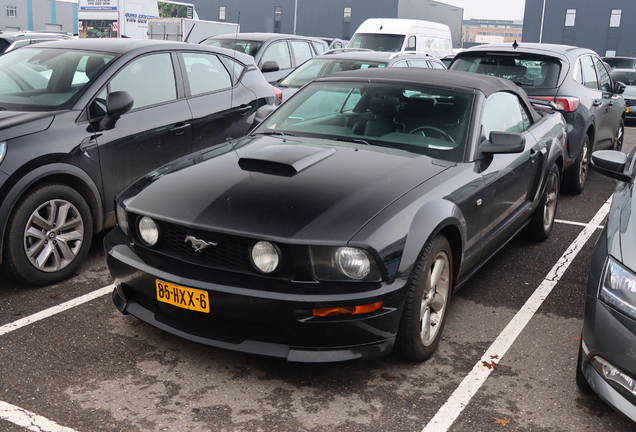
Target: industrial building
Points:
(327, 18)
(604, 26)
(47, 15)
(483, 31)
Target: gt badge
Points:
(198, 244)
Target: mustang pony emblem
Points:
(198, 244)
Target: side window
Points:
(302, 51)
(410, 44)
(98, 107)
(437, 65)
(577, 74)
(419, 63)
(279, 53)
(402, 63)
(320, 48)
(236, 67)
(502, 113)
(150, 79)
(589, 73)
(205, 73)
(603, 75)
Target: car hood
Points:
(15, 124)
(279, 189)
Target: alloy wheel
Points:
(53, 235)
(433, 305)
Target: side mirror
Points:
(619, 87)
(269, 66)
(611, 163)
(503, 142)
(117, 104)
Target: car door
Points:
(593, 100)
(221, 107)
(277, 52)
(612, 104)
(509, 179)
(154, 132)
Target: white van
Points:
(393, 34)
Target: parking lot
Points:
(500, 366)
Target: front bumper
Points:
(611, 336)
(275, 320)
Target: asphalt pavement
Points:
(72, 363)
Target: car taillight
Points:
(567, 104)
(279, 94)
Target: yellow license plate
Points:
(186, 298)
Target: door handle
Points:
(596, 103)
(180, 129)
(534, 155)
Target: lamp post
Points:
(542, 18)
(295, 14)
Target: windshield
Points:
(527, 71)
(316, 68)
(245, 46)
(40, 79)
(377, 42)
(627, 77)
(620, 63)
(421, 120)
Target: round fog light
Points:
(148, 231)
(353, 262)
(265, 256)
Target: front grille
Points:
(230, 253)
(630, 102)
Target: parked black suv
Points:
(81, 119)
(576, 79)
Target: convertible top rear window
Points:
(417, 119)
(525, 70)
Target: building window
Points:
(610, 53)
(221, 13)
(12, 11)
(278, 16)
(570, 17)
(615, 19)
(347, 14)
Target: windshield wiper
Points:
(274, 133)
(361, 141)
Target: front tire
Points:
(542, 220)
(48, 235)
(426, 304)
(575, 177)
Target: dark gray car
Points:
(607, 359)
(275, 54)
(575, 79)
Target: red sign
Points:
(80, 25)
(115, 27)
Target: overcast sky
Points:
(490, 9)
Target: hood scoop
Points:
(284, 160)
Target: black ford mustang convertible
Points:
(340, 227)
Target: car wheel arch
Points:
(69, 175)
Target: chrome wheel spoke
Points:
(434, 298)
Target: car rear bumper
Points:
(246, 319)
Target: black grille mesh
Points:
(230, 253)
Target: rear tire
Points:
(618, 139)
(426, 304)
(542, 220)
(48, 235)
(574, 178)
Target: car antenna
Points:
(515, 44)
(234, 58)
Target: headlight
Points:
(343, 264)
(148, 231)
(265, 256)
(3, 150)
(122, 218)
(619, 287)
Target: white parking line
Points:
(450, 411)
(22, 417)
(577, 223)
(7, 328)
(29, 420)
